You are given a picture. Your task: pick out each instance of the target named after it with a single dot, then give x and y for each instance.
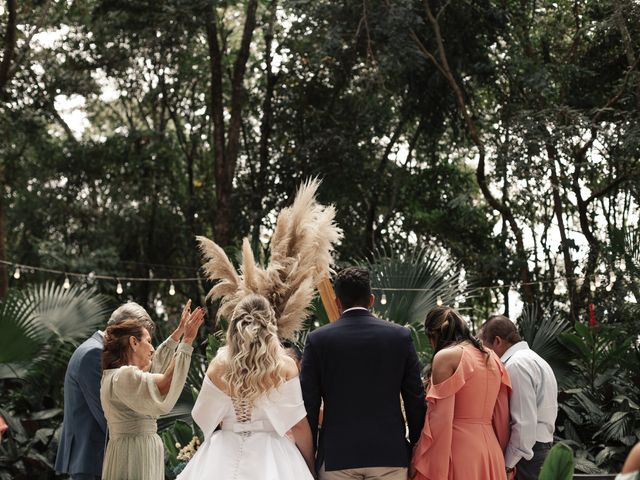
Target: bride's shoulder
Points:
(289, 367)
(217, 367)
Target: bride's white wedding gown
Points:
(252, 443)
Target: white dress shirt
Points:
(354, 308)
(534, 402)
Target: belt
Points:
(257, 426)
(140, 426)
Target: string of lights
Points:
(90, 277)
(19, 268)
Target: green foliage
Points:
(599, 415)
(412, 283)
(345, 93)
(542, 328)
(40, 327)
(21, 337)
(175, 439)
(559, 464)
(39, 323)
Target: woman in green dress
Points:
(133, 398)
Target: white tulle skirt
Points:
(227, 455)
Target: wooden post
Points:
(328, 296)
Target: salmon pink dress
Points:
(467, 425)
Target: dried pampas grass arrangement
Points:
(300, 256)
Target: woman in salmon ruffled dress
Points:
(467, 425)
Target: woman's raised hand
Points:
(193, 324)
(184, 318)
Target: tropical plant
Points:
(541, 329)
(409, 284)
(40, 327)
(38, 322)
(598, 411)
(559, 464)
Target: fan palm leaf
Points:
(541, 329)
(413, 283)
(42, 323)
(70, 315)
(21, 337)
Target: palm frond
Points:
(42, 325)
(21, 337)
(69, 315)
(413, 283)
(541, 328)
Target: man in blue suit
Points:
(360, 367)
(82, 442)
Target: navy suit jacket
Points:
(359, 366)
(81, 448)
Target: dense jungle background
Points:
(483, 154)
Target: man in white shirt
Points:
(534, 399)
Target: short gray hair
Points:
(131, 311)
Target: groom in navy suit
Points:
(359, 367)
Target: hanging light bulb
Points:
(67, 284)
(119, 288)
(598, 281)
(383, 299)
(592, 287)
(172, 289)
(612, 277)
(439, 301)
(16, 274)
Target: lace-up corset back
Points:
(243, 409)
(248, 440)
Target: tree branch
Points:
(443, 66)
(27, 44)
(237, 88)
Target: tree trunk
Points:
(557, 209)
(226, 153)
(5, 67)
(442, 64)
(9, 47)
(266, 124)
(4, 275)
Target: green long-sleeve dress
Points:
(132, 403)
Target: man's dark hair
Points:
(353, 287)
(500, 326)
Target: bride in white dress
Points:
(252, 392)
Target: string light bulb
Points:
(592, 286)
(597, 281)
(439, 301)
(67, 284)
(172, 289)
(16, 274)
(494, 298)
(119, 288)
(383, 299)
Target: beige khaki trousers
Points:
(369, 473)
